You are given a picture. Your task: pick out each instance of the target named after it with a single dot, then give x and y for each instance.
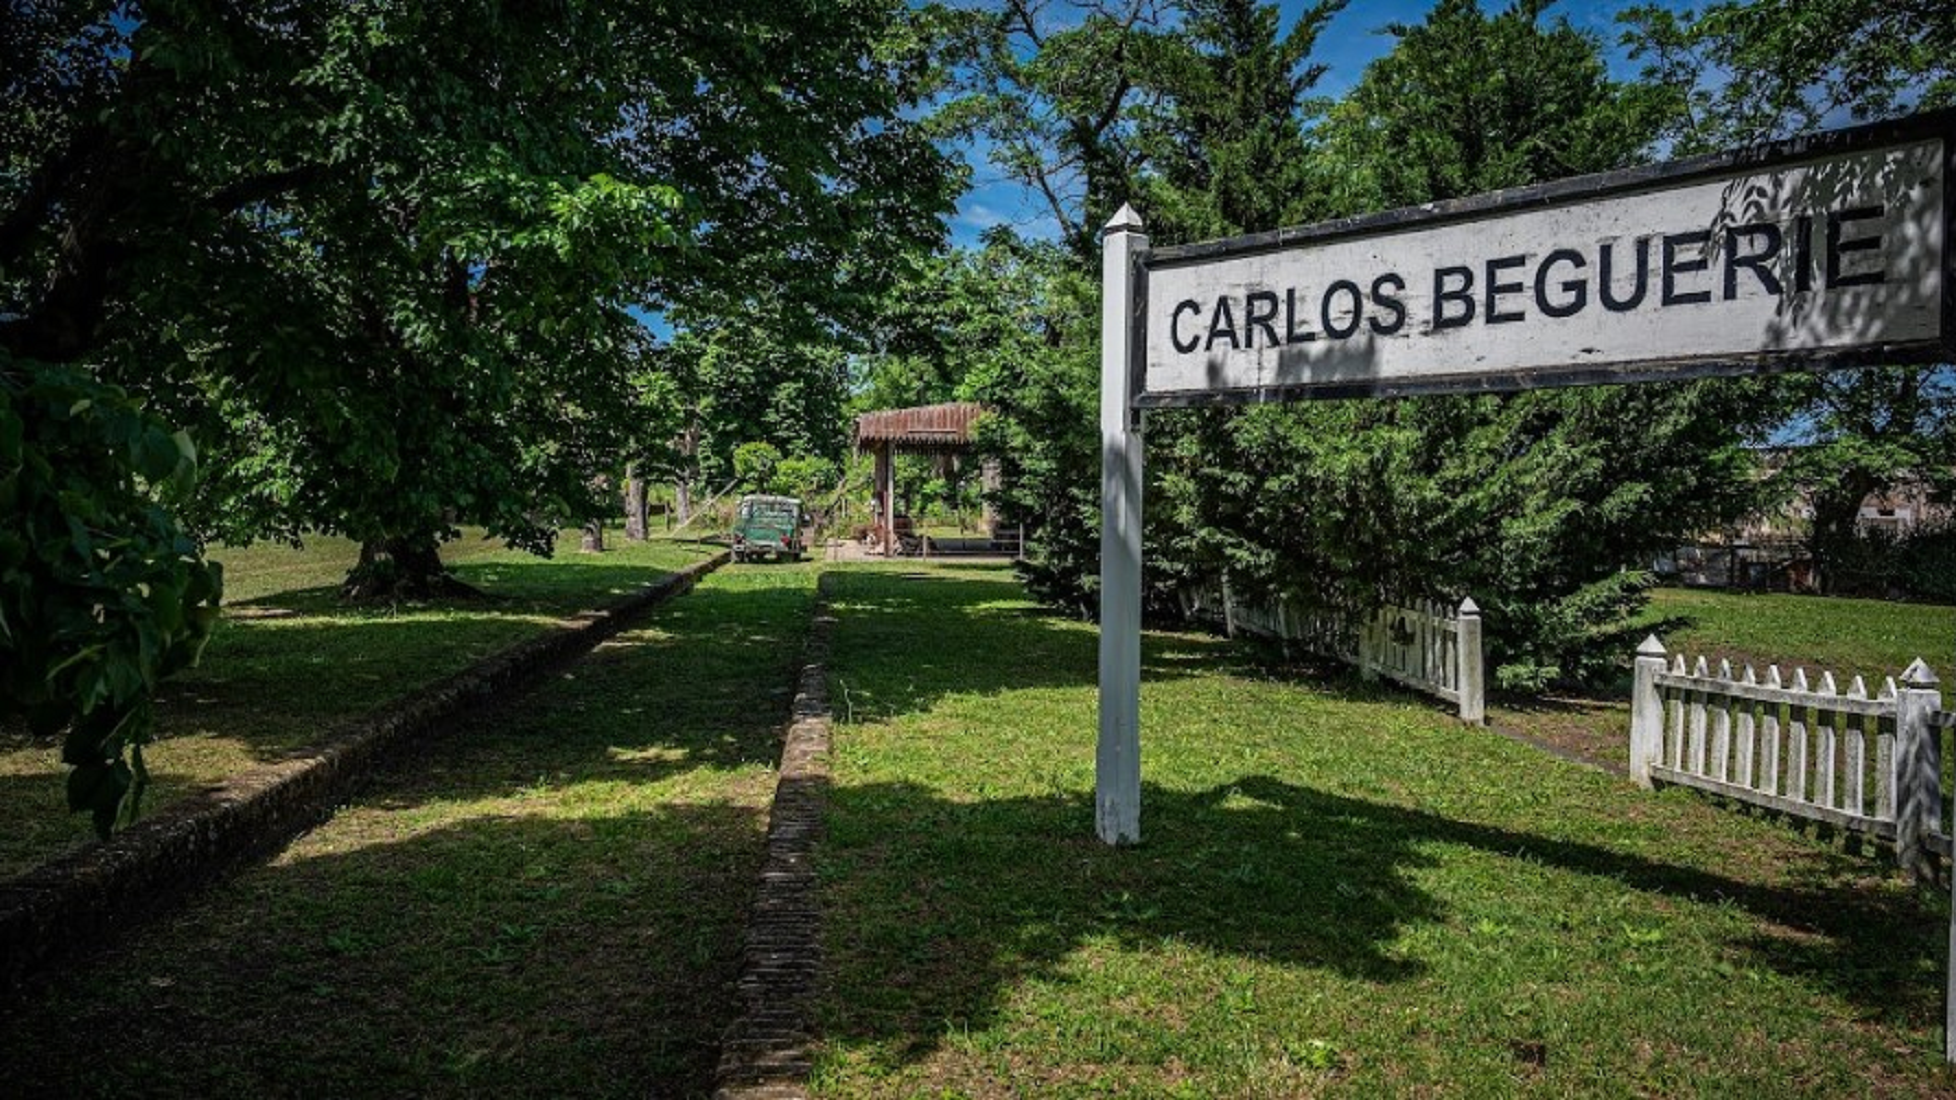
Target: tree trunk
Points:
(635, 528)
(593, 540)
(407, 567)
(682, 499)
(1836, 520)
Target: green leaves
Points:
(101, 594)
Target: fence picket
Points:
(1698, 723)
(1675, 724)
(1856, 728)
(1796, 765)
(1885, 758)
(1769, 722)
(1748, 747)
(1721, 751)
(1827, 765)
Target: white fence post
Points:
(1473, 679)
(1647, 712)
(1918, 770)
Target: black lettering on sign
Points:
(1496, 288)
(1803, 253)
(1674, 267)
(1836, 247)
(1388, 302)
(1222, 325)
(1175, 326)
(1255, 318)
(1606, 279)
(1331, 328)
(1577, 289)
(1291, 333)
(1755, 259)
(1444, 294)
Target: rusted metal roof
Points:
(926, 427)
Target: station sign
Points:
(1831, 250)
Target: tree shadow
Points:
(515, 907)
(505, 956)
(940, 910)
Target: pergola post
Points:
(885, 498)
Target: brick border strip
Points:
(766, 1053)
(101, 889)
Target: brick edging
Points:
(766, 1053)
(100, 889)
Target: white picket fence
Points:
(1866, 763)
(1424, 647)
(1869, 764)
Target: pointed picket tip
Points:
(1858, 689)
(1889, 690)
(1750, 677)
(1827, 684)
(1799, 679)
(1701, 668)
(1919, 674)
(1677, 666)
(1724, 669)
(1772, 677)
(1125, 220)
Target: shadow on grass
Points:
(941, 907)
(508, 956)
(517, 909)
(939, 910)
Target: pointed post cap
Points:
(1125, 220)
(1469, 607)
(1651, 647)
(1919, 674)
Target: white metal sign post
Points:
(1825, 251)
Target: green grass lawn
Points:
(1340, 891)
(290, 661)
(547, 902)
(1870, 638)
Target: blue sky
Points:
(1353, 39)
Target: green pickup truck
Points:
(768, 527)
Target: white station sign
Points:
(1724, 264)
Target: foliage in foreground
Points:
(102, 594)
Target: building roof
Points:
(924, 428)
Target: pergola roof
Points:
(924, 428)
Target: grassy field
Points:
(289, 661)
(1340, 891)
(548, 902)
(1866, 637)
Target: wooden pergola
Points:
(943, 430)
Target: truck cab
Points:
(768, 527)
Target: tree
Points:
(1532, 503)
(1771, 68)
(378, 257)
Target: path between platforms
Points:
(767, 1053)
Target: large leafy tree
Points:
(1770, 68)
(378, 256)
